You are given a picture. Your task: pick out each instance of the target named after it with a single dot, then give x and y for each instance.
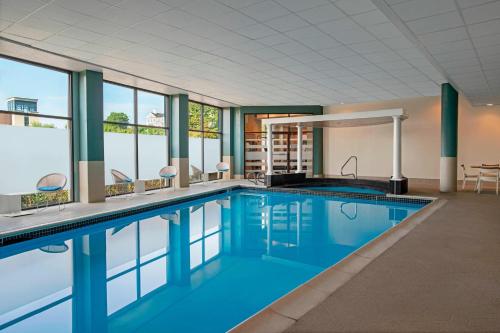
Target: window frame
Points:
(135, 123)
(202, 131)
(68, 118)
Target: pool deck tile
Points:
(443, 276)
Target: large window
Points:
(284, 145)
(35, 121)
(205, 134)
(135, 134)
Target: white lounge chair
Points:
(468, 177)
(488, 175)
(169, 172)
(222, 167)
(119, 178)
(197, 174)
(52, 183)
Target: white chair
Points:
(197, 174)
(169, 172)
(52, 183)
(119, 178)
(468, 177)
(222, 167)
(488, 175)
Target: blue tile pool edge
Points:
(419, 216)
(51, 228)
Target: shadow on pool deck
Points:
(444, 276)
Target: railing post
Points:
(299, 148)
(269, 149)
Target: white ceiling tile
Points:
(287, 23)
(415, 9)
(81, 34)
(398, 43)
(308, 57)
(484, 29)
(352, 36)
(313, 38)
(298, 5)
(482, 13)
(256, 31)
(264, 11)
(336, 26)
(352, 7)
(337, 52)
(24, 31)
(471, 3)
(321, 14)
(291, 47)
(444, 36)
(274, 39)
(385, 30)
(370, 18)
(88, 7)
(436, 23)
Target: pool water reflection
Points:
(201, 266)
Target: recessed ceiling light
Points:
(489, 104)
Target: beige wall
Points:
(479, 138)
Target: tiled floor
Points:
(444, 276)
(52, 215)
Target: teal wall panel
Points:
(228, 115)
(179, 126)
(318, 151)
(91, 116)
(449, 121)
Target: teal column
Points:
(91, 137)
(449, 138)
(228, 140)
(179, 138)
(179, 269)
(318, 152)
(90, 310)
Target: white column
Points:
(299, 148)
(396, 149)
(269, 149)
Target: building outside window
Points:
(205, 141)
(135, 135)
(35, 120)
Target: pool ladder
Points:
(355, 174)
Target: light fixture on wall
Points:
(342, 103)
(489, 104)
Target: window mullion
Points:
(136, 137)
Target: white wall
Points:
(479, 138)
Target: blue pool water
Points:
(350, 189)
(200, 266)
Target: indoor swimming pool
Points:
(200, 266)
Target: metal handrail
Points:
(350, 217)
(355, 175)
